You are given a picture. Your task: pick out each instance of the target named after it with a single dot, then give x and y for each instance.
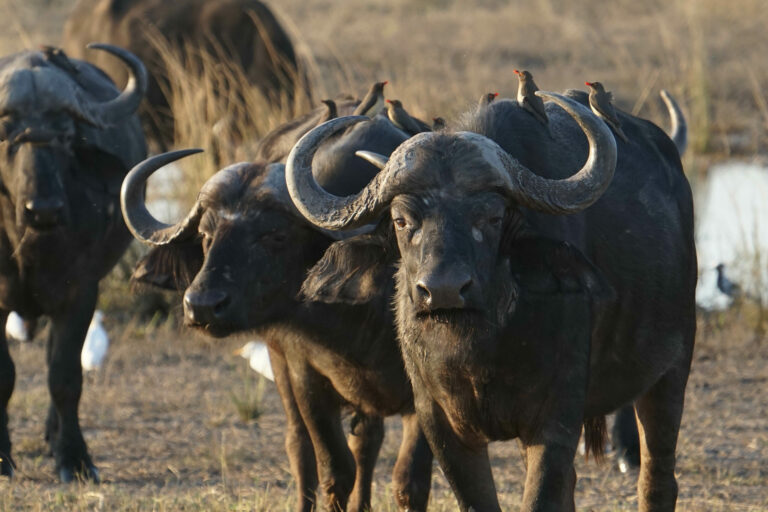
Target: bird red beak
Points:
(386, 82)
(495, 94)
(388, 101)
(588, 84)
(517, 72)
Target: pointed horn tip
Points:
(105, 46)
(664, 93)
(547, 95)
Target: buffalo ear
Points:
(546, 266)
(169, 267)
(355, 270)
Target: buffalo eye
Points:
(495, 221)
(275, 238)
(400, 223)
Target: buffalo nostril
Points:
(221, 306)
(423, 291)
(465, 288)
(42, 212)
(206, 307)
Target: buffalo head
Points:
(46, 120)
(255, 247)
(454, 200)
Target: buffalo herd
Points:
(506, 276)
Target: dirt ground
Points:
(162, 425)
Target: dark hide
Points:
(506, 337)
(170, 267)
(340, 278)
(267, 59)
(257, 249)
(275, 146)
(60, 226)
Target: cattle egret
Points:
(258, 358)
(600, 103)
(373, 101)
(526, 96)
(96, 344)
(16, 328)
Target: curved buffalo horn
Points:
(376, 159)
(318, 206)
(679, 133)
(568, 195)
(573, 194)
(142, 224)
(128, 101)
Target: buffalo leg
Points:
(364, 442)
(7, 381)
(467, 468)
(298, 445)
(625, 439)
(65, 382)
(550, 477)
(412, 475)
(52, 420)
(320, 408)
(659, 412)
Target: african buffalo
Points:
(67, 139)
(244, 31)
(530, 300)
(249, 250)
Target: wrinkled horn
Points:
(679, 133)
(577, 192)
(142, 224)
(128, 101)
(318, 206)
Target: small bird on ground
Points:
(95, 345)
(600, 103)
(526, 96)
(403, 120)
(257, 354)
(438, 123)
(373, 101)
(487, 99)
(19, 329)
(332, 112)
(725, 285)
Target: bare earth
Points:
(162, 426)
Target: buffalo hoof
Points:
(7, 467)
(69, 475)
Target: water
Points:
(162, 198)
(732, 228)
